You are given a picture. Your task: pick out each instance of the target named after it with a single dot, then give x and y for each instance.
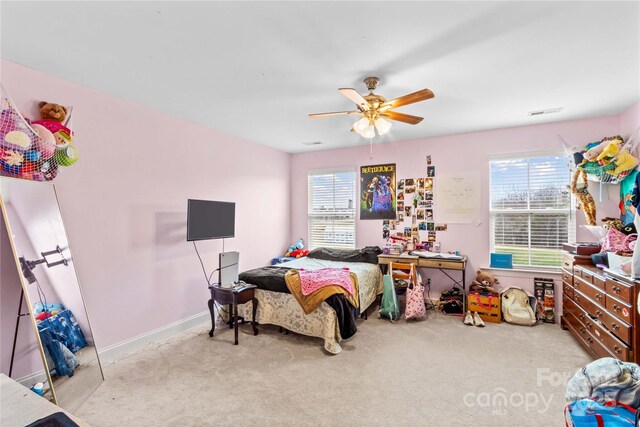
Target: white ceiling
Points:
(256, 69)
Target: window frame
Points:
(310, 214)
(569, 211)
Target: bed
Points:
(278, 307)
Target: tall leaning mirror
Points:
(51, 294)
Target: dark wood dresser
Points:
(600, 309)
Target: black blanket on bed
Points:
(272, 279)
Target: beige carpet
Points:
(435, 372)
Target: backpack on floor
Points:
(589, 413)
(389, 307)
(516, 307)
(415, 308)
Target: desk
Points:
(441, 264)
(233, 297)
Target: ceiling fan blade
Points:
(421, 95)
(354, 96)
(401, 117)
(337, 113)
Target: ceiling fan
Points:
(374, 109)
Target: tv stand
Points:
(232, 297)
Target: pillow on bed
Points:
(368, 254)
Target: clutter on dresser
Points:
(582, 248)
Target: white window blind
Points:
(332, 214)
(530, 209)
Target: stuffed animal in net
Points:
(624, 162)
(610, 151)
(484, 283)
(595, 150)
(585, 200)
(52, 117)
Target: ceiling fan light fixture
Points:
(369, 132)
(383, 126)
(361, 125)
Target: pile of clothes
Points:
(604, 391)
(61, 337)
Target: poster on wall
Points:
(459, 197)
(377, 191)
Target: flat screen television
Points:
(208, 219)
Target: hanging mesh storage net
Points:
(33, 150)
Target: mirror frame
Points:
(25, 284)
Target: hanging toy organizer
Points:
(614, 161)
(33, 150)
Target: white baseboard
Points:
(113, 352)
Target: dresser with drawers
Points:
(599, 309)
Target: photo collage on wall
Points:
(414, 218)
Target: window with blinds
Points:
(530, 209)
(332, 213)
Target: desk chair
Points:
(401, 271)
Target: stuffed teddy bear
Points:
(484, 283)
(51, 111)
(51, 117)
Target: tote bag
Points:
(415, 308)
(389, 307)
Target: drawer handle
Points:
(576, 285)
(615, 307)
(577, 297)
(617, 349)
(615, 289)
(590, 340)
(615, 327)
(599, 313)
(599, 297)
(583, 330)
(589, 325)
(581, 316)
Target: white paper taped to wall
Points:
(458, 196)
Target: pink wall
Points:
(454, 153)
(124, 204)
(630, 121)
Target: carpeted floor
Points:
(435, 372)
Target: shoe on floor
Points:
(477, 320)
(468, 319)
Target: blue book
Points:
(501, 260)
